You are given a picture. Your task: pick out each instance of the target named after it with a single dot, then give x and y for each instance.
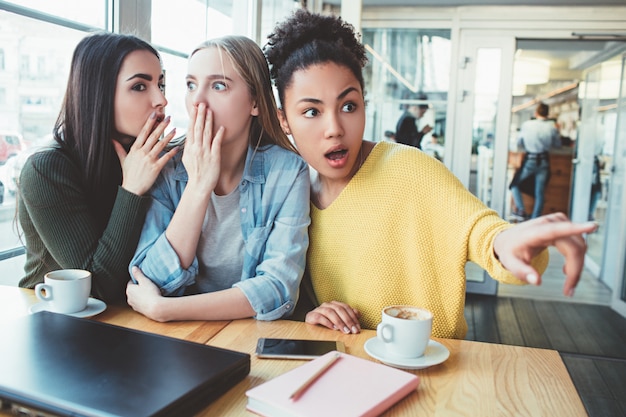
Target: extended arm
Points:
(517, 246)
(146, 298)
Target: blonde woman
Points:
(227, 229)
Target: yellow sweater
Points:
(400, 233)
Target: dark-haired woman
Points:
(81, 201)
(389, 224)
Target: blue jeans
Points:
(539, 168)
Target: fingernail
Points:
(570, 293)
(167, 119)
(346, 330)
(532, 279)
(153, 115)
(335, 327)
(354, 329)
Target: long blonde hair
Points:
(251, 65)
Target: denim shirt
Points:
(274, 210)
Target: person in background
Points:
(488, 141)
(389, 224)
(596, 186)
(226, 235)
(537, 136)
(407, 131)
(390, 136)
(434, 148)
(425, 122)
(596, 179)
(81, 201)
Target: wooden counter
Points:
(558, 191)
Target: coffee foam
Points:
(408, 313)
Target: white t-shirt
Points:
(221, 246)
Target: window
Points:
(274, 11)
(175, 71)
(190, 22)
(176, 31)
(30, 96)
(25, 65)
(38, 39)
(406, 66)
(34, 60)
(88, 12)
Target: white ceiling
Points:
(568, 57)
(555, 49)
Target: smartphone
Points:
(296, 348)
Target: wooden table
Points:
(478, 379)
(16, 301)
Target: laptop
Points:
(55, 364)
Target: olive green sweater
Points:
(65, 226)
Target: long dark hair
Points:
(86, 122)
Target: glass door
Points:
(482, 131)
(598, 172)
(591, 157)
(614, 265)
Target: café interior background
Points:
(482, 66)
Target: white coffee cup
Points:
(405, 330)
(65, 291)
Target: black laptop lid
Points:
(71, 366)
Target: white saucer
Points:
(94, 306)
(435, 354)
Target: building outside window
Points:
(38, 38)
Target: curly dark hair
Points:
(305, 39)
